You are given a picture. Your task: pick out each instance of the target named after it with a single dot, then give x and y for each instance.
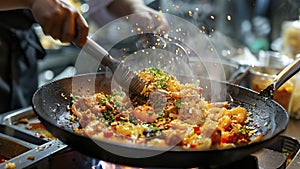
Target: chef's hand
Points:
(60, 20)
(146, 17)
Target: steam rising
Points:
(191, 53)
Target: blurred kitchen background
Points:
(255, 24)
(244, 32)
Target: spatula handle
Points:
(99, 53)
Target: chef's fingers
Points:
(68, 30)
(68, 24)
(57, 24)
(50, 25)
(82, 29)
(60, 20)
(75, 27)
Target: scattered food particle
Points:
(10, 165)
(24, 120)
(30, 157)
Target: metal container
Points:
(260, 77)
(270, 64)
(11, 147)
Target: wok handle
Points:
(281, 78)
(100, 54)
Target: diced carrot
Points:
(197, 129)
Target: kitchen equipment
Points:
(282, 77)
(294, 107)
(295, 162)
(290, 38)
(260, 76)
(273, 59)
(270, 118)
(234, 72)
(22, 148)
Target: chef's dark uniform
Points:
(20, 49)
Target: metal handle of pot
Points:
(281, 78)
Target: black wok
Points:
(50, 103)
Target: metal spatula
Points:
(131, 83)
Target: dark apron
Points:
(20, 49)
